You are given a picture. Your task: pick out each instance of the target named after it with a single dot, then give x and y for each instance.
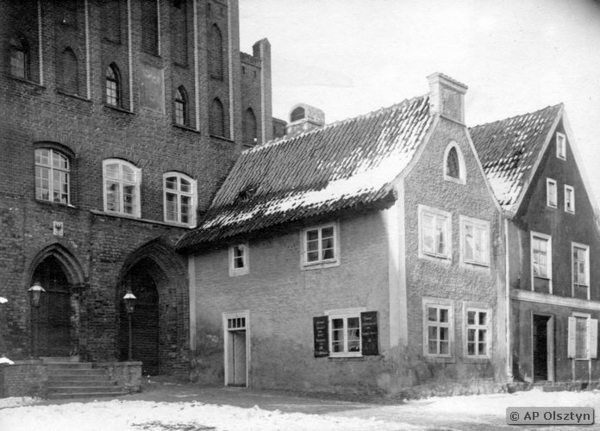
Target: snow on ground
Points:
(481, 411)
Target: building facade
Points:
(118, 121)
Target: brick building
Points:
(119, 120)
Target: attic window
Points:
(454, 166)
(297, 114)
(561, 146)
(247, 193)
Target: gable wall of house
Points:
(451, 279)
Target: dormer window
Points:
(297, 114)
(454, 166)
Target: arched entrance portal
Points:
(145, 318)
(52, 320)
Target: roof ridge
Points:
(517, 116)
(338, 123)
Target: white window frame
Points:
(481, 226)
(561, 146)
(320, 263)
(51, 171)
(462, 172)
(570, 201)
(591, 337)
(551, 185)
(548, 239)
(477, 327)
(344, 314)
(245, 257)
(438, 303)
(586, 249)
(136, 187)
(446, 216)
(179, 194)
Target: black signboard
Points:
(321, 333)
(368, 323)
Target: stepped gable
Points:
(509, 149)
(343, 165)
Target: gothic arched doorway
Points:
(144, 319)
(51, 322)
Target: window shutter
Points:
(593, 341)
(369, 333)
(321, 335)
(572, 337)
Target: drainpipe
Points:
(509, 373)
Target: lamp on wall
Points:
(35, 293)
(129, 300)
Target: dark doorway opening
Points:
(543, 347)
(52, 320)
(144, 320)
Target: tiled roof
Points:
(339, 166)
(508, 150)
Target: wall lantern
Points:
(35, 293)
(129, 300)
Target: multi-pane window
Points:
(19, 58)
(320, 245)
(569, 199)
(551, 195)
(180, 201)
(478, 331)
(113, 86)
(475, 237)
(438, 329)
(344, 335)
(541, 250)
(121, 187)
(51, 176)
(583, 337)
(561, 146)
(181, 107)
(435, 232)
(581, 268)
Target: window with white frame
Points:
(478, 330)
(541, 252)
(475, 241)
(179, 198)
(344, 332)
(438, 328)
(551, 195)
(239, 262)
(435, 232)
(581, 266)
(561, 146)
(121, 187)
(52, 172)
(320, 245)
(569, 199)
(583, 337)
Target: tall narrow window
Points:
(478, 331)
(581, 270)
(179, 32)
(250, 132)
(475, 241)
(19, 58)
(239, 262)
(569, 199)
(51, 176)
(179, 198)
(215, 53)
(561, 146)
(583, 337)
(70, 72)
(113, 86)
(551, 199)
(181, 107)
(121, 187)
(438, 328)
(454, 166)
(541, 262)
(217, 118)
(150, 27)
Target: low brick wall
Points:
(23, 379)
(128, 375)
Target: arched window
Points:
(113, 86)
(179, 198)
(250, 132)
(19, 57)
(52, 171)
(70, 72)
(454, 165)
(121, 187)
(217, 118)
(297, 114)
(181, 107)
(215, 53)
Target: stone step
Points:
(64, 372)
(69, 365)
(80, 383)
(77, 377)
(52, 359)
(68, 395)
(82, 389)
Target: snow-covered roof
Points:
(509, 149)
(339, 166)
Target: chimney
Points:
(303, 118)
(447, 97)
